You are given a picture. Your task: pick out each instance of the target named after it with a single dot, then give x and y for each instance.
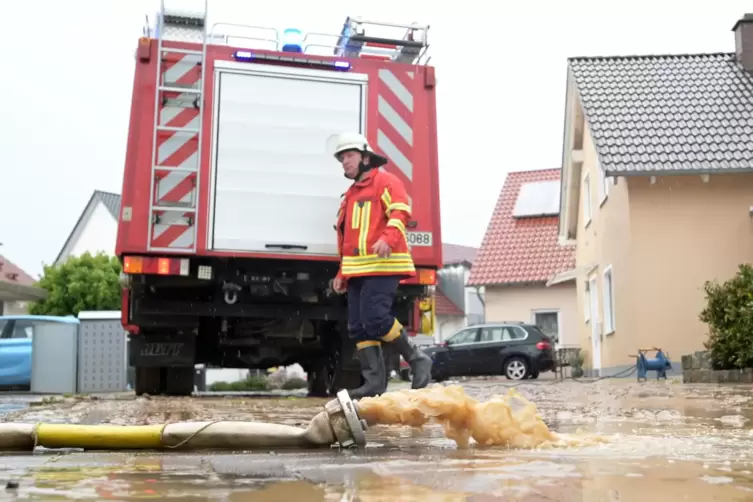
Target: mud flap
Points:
(155, 351)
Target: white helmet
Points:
(339, 143)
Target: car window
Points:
(512, 333)
(23, 330)
(465, 336)
(492, 334)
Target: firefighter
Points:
(374, 259)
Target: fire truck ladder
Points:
(178, 124)
(355, 43)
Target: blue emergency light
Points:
(292, 40)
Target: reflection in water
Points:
(691, 443)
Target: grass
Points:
(254, 383)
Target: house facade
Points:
(521, 266)
(96, 229)
(457, 305)
(656, 194)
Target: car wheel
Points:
(516, 368)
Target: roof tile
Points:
(455, 253)
(667, 113)
(445, 306)
(520, 250)
(9, 272)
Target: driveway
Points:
(661, 440)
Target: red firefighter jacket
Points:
(375, 207)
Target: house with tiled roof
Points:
(16, 288)
(520, 255)
(457, 305)
(656, 193)
(96, 229)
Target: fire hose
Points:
(339, 424)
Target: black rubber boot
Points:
(420, 363)
(373, 371)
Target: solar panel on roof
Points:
(541, 198)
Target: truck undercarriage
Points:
(253, 314)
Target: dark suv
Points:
(516, 350)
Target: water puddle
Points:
(606, 441)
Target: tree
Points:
(83, 282)
(729, 314)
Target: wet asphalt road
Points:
(664, 439)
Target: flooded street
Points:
(662, 439)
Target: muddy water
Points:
(662, 440)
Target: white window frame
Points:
(587, 209)
(607, 300)
(603, 187)
(587, 301)
(549, 311)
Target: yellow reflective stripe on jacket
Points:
(394, 222)
(398, 206)
(355, 218)
(397, 262)
(393, 206)
(363, 235)
(387, 201)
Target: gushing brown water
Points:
(511, 420)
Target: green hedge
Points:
(729, 314)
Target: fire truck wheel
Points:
(179, 381)
(320, 378)
(148, 381)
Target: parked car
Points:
(515, 350)
(15, 352)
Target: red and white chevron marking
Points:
(175, 230)
(395, 121)
(177, 149)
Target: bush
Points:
(295, 383)
(252, 383)
(83, 282)
(729, 314)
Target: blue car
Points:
(16, 333)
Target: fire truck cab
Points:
(226, 232)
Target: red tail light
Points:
(544, 346)
(155, 265)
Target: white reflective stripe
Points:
(180, 69)
(395, 155)
(171, 180)
(410, 74)
(395, 120)
(397, 87)
(176, 141)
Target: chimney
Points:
(744, 41)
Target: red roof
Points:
(453, 254)
(14, 275)
(520, 250)
(444, 306)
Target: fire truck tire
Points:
(320, 378)
(180, 381)
(148, 381)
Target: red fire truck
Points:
(226, 232)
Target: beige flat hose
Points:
(337, 424)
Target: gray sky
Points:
(501, 87)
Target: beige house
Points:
(656, 194)
(520, 255)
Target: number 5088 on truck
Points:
(226, 232)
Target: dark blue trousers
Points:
(370, 302)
